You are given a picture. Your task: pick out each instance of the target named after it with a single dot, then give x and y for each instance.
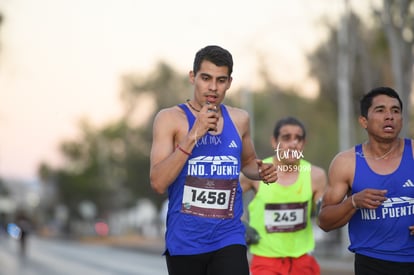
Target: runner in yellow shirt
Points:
(281, 212)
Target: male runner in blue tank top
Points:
(199, 149)
(371, 187)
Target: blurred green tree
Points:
(109, 165)
(397, 18)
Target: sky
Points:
(62, 60)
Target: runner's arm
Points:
(336, 209)
(165, 155)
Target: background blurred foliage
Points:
(109, 165)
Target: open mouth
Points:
(388, 128)
(211, 99)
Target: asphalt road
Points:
(120, 256)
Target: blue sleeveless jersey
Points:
(383, 233)
(205, 201)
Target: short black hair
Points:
(215, 54)
(289, 120)
(366, 100)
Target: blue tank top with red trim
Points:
(383, 233)
(205, 200)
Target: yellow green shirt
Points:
(282, 216)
